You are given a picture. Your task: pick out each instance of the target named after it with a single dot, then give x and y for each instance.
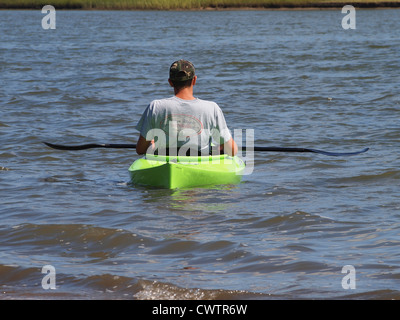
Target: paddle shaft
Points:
(244, 148)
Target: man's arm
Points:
(142, 145)
(230, 147)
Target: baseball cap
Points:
(181, 70)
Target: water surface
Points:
(295, 77)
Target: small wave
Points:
(296, 221)
(25, 283)
(387, 175)
(155, 290)
(377, 46)
(374, 295)
(13, 273)
(7, 155)
(87, 241)
(180, 246)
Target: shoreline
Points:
(271, 6)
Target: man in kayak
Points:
(183, 123)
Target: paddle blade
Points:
(62, 147)
(339, 154)
(327, 153)
(90, 146)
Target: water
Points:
(295, 77)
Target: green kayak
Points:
(173, 172)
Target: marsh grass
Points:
(184, 4)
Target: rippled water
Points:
(295, 77)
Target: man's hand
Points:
(230, 147)
(143, 145)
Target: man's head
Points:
(181, 74)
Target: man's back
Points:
(190, 123)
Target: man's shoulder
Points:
(160, 101)
(159, 104)
(210, 103)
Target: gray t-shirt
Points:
(174, 122)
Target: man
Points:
(183, 123)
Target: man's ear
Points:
(194, 80)
(170, 83)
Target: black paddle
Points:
(335, 154)
(90, 146)
(266, 149)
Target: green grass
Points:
(184, 4)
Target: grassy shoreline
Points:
(195, 4)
